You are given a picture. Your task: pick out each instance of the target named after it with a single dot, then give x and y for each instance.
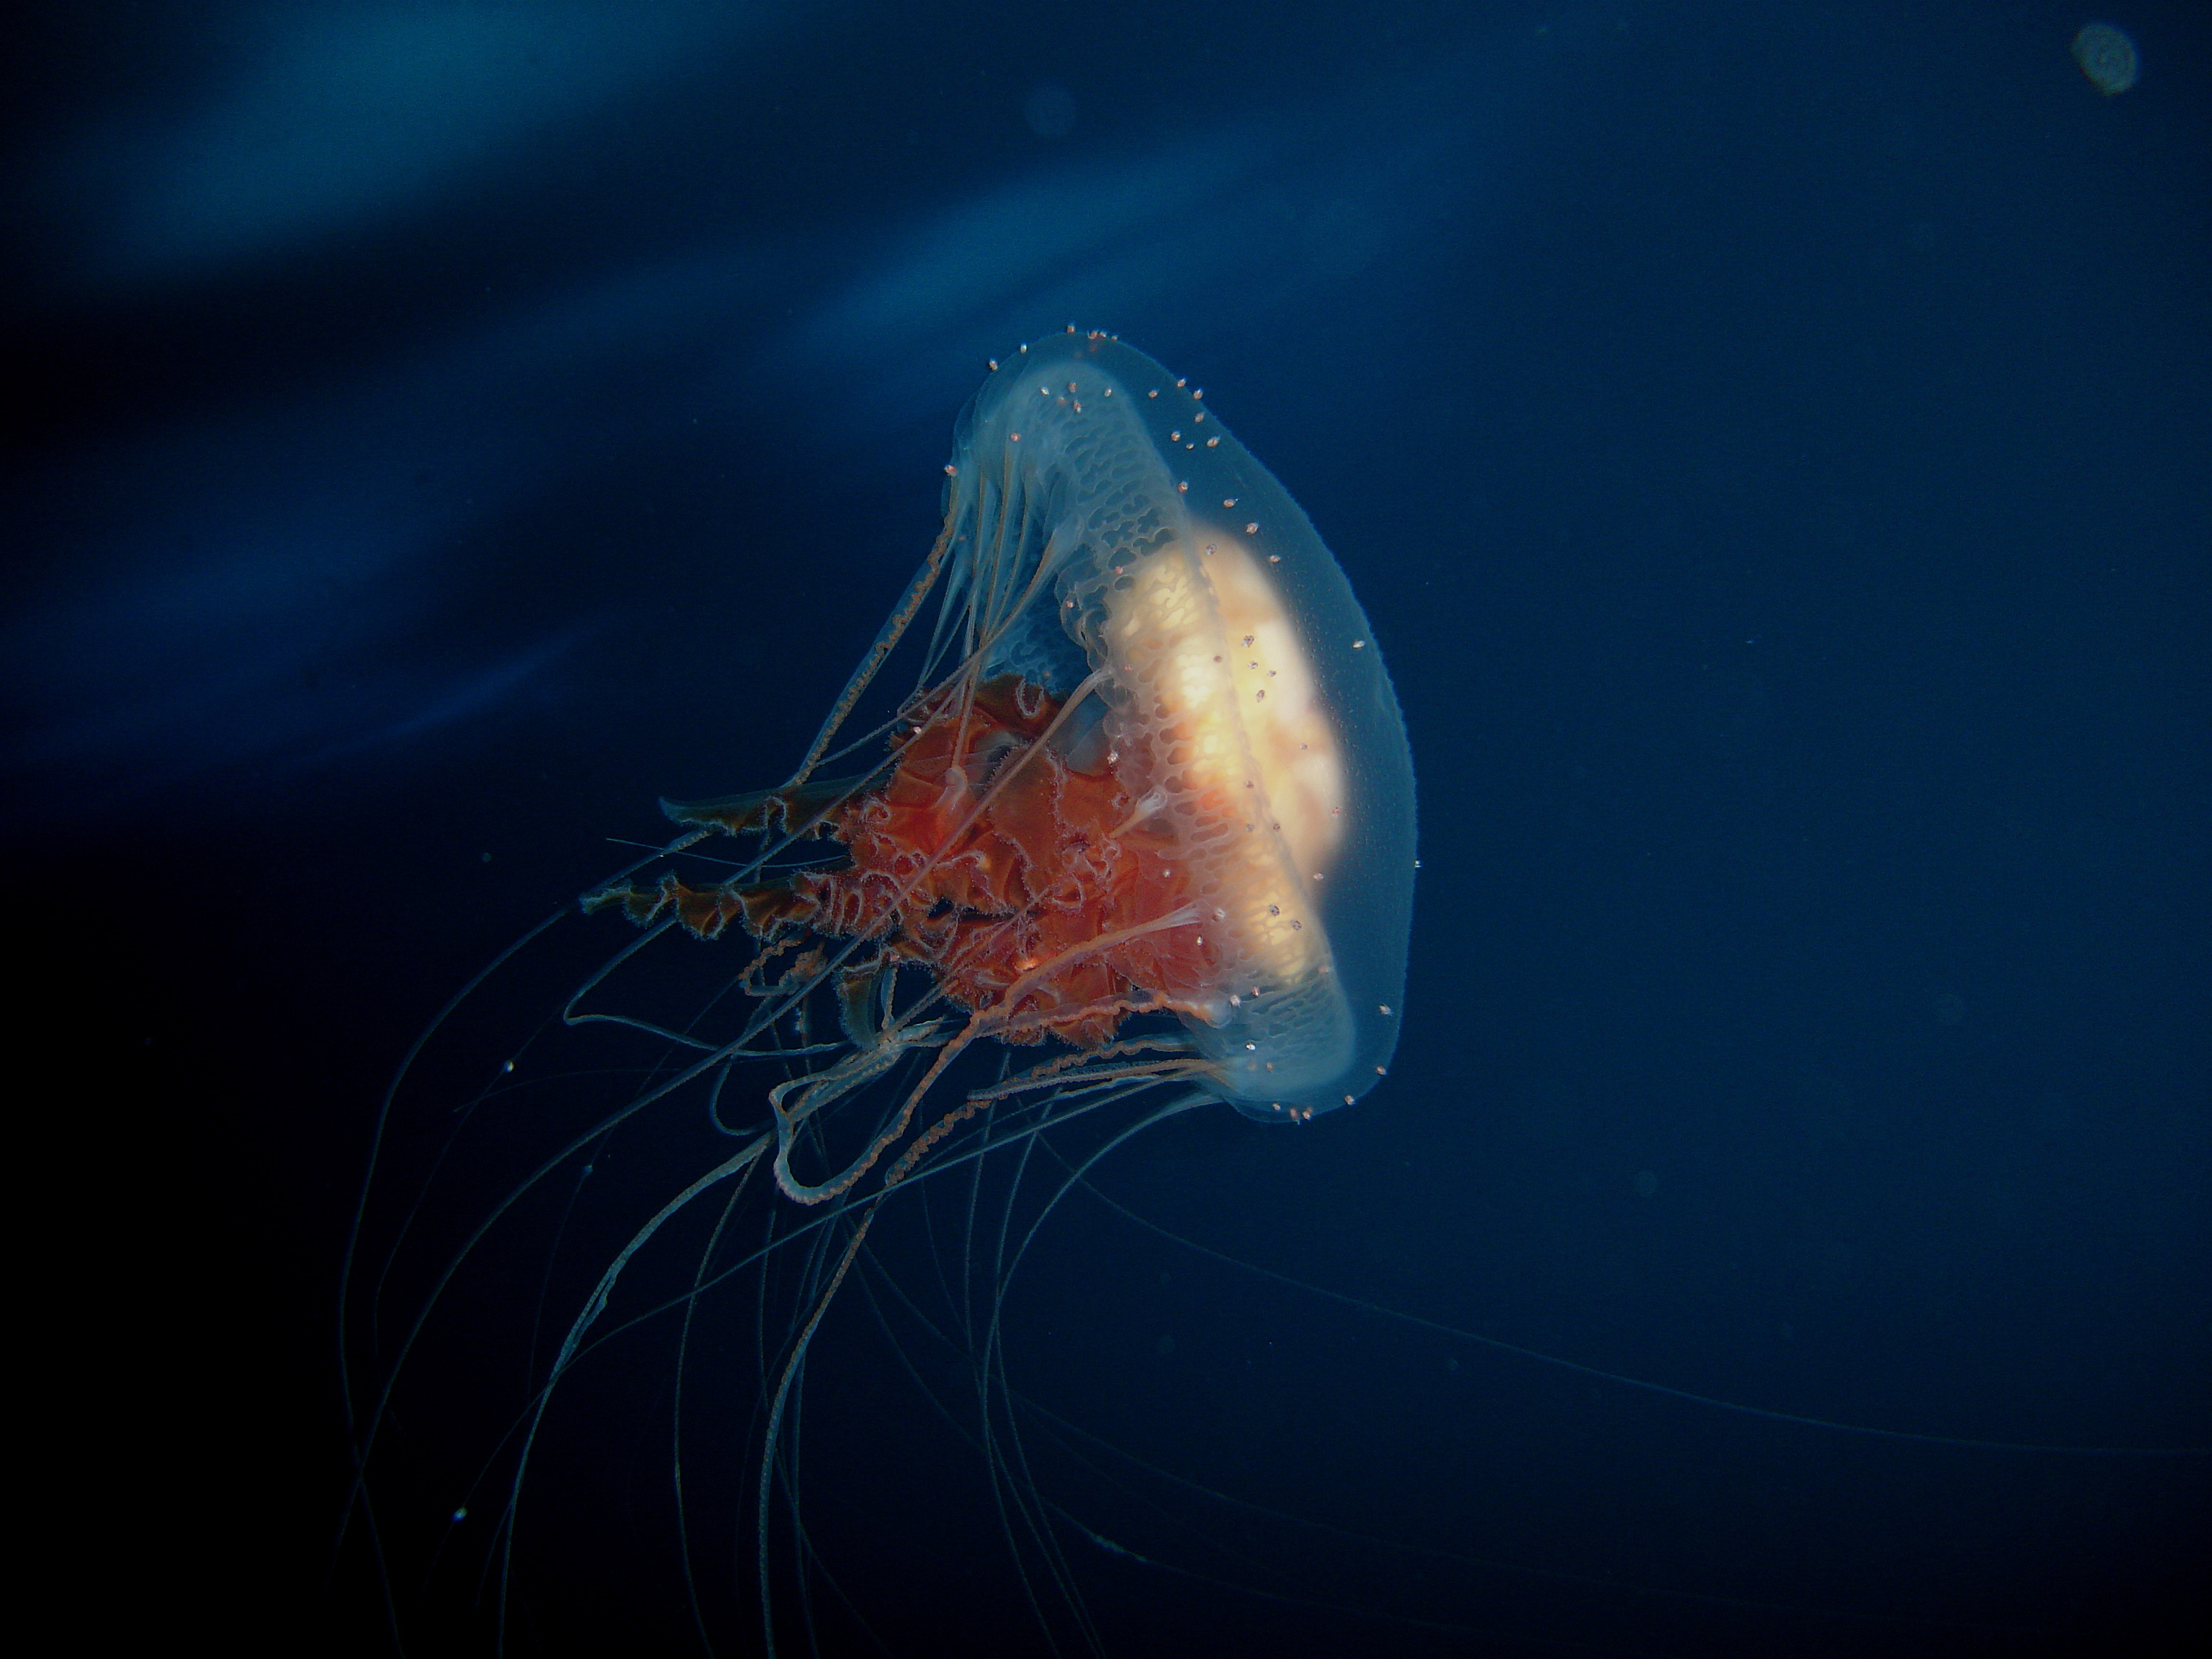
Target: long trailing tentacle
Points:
(594, 1305)
(887, 640)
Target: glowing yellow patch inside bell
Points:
(1208, 644)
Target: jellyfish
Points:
(2107, 57)
(1138, 839)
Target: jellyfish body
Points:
(1141, 833)
(1225, 832)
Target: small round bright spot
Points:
(2107, 57)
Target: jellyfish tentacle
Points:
(1084, 1069)
(886, 640)
(826, 1087)
(774, 1430)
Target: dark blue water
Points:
(1770, 444)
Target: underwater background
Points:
(1770, 444)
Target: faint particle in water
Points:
(1647, 1184)
(1049, 108)
(1950, 1008)
(2107, 57)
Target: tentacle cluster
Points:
(982, 854)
